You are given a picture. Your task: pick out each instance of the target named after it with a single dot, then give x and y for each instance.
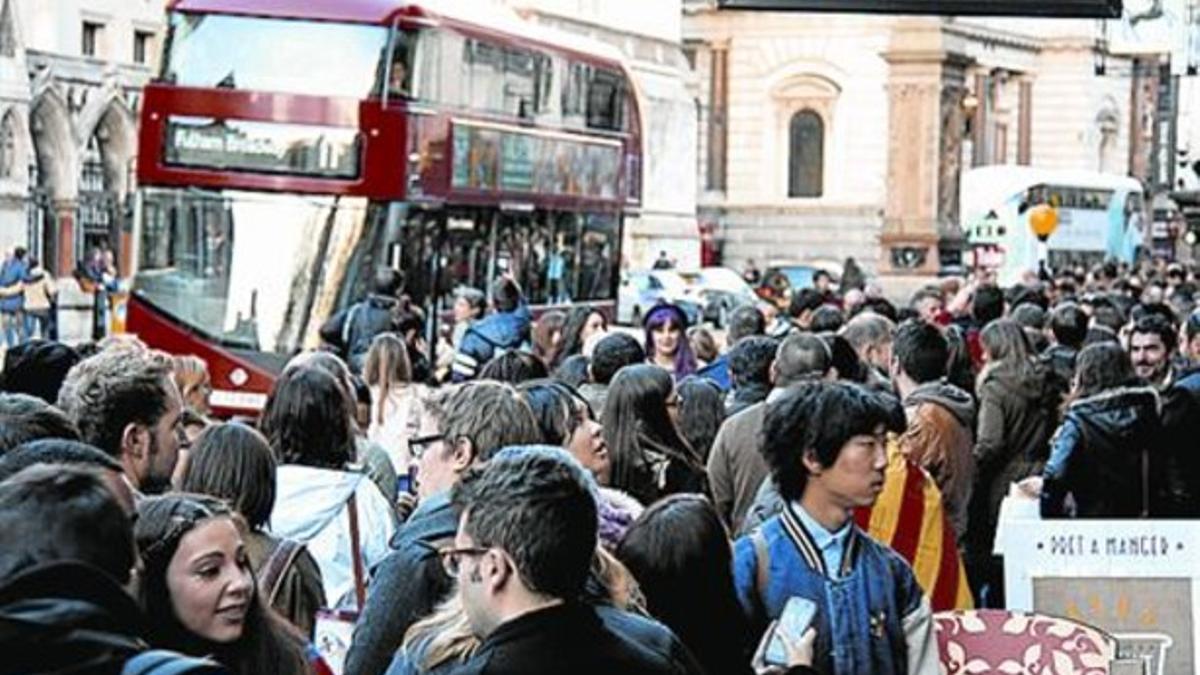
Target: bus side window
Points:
(598, 269)
(574, 93)
(605, 100)
(483, 76)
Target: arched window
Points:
(806, 155)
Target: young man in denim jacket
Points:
(824, 443)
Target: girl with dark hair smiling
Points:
(584, 325)
(200, 593)
(667, 345)
(233, 462)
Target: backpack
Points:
(278, 562)
(163, 662)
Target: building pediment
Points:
(806, 86)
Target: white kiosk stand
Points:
(1135, 579)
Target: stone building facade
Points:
(71, 73)
(825, 136)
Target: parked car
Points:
(641, 290)
(780, 280)
(720, 290)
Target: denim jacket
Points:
(872, 618)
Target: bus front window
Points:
(251, 271)
(317, 58)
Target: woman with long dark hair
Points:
(1017, 415)
(307, 422)
(547, 337)
(200, 593)
(584, 325)
(566, 420)
(233, 462)
(701, 412)
(667, 345)
(650, 457)
(1101, 452)
(679, 552)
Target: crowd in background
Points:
(553, 494)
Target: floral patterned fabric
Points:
(1019, 643)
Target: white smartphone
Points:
(798, 615)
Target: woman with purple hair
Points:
(666, 341)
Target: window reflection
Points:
(557, 257)
(305, 57)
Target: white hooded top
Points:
(310, 507)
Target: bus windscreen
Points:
(275, 55)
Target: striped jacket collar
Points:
(804, 542)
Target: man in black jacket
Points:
(471, 424)
(66, 551)
(525, 543)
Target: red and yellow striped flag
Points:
(909, 517)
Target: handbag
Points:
(335, 627)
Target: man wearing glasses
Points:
(457, 432)
(523, 550)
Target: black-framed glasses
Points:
(417, 445)
(452, 557)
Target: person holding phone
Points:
(824, 444)
(797, 651)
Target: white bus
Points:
(1101, 217)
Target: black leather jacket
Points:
(1107, 455)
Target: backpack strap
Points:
(281, 558)
(762, 569)
(347, 324)
(360, 583)
(163, 662)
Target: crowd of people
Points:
(556, 496)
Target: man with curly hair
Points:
(124, 401)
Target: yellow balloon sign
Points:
(1043, 220)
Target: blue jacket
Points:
(492, 335)
(1189, 381)
(353, 329)
(872, 619)
(718, 371)
(405, 587)
(12, 273)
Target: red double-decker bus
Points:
(291, 147)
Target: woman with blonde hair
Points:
(395, 397)
(195, 384)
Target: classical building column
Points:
(63, 236)
(926, 86)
